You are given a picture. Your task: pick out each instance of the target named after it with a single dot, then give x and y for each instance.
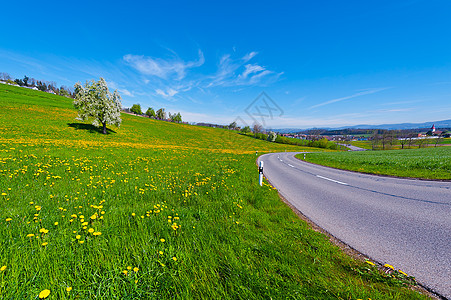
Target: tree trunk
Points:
(104, 127)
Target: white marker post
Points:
(304, 156)
(260, 175)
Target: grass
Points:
(426, 163)
(154, 210)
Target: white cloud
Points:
(251, 69)
(249, 56)
(169, 92)
(162, 68)
(234, 72)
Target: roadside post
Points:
(260, 173)
(304, 156)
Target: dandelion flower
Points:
(162, 240)
(45, 244)
(389, 266)
(2, 268)
(129, 268)
(91, 230)
(97, 233)
(160, 252)
(81, 242)
(93, 217)
(125, 272)
(78, 237)
(174, 258)
(136, 269)
(133, 214)
(8, 219)
(30, 235)
(68, 289)
(56, 224)
(44, 294)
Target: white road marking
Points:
(291, 165)
(336, 181)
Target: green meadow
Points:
(426, 163)
(155, 210)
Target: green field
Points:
(154, 210)
(428, 163)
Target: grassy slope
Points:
(428, 163)
(178, 202)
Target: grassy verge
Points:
(154, 210)
(427, 163)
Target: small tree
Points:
(246, 130)
(94, 100)
(272, 136)
(150, 112)
(232, 125)
(161, 114)
(136, 109)
(177, 118)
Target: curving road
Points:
(403, 222)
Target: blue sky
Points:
(323, 63)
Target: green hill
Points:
(154, 210)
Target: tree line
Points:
(160, 114)
(387, 139)
(42, 85)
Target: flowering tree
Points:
(94, 100)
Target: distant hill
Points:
(438, 124)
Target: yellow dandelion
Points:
(78, 237)
(389, 266)
(97, 233)
(125, 272)
(93, 217)
(30, 235)
(162, 240)
(68, 289)
(174, 258)
(44, 294)
(8, 219)
(91, 230)
(56, 224)
(129, 268)
(160, 252)
(3, 268)
(44, 244)
(136, 269)
(81, 242)
(162, 264)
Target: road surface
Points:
(403, 222)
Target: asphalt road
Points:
(403, 222)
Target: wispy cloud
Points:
(163, 68)
(168, 93)
(362, 93)
(237, 72)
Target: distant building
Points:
(433, 128)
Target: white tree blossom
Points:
(94, 100)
